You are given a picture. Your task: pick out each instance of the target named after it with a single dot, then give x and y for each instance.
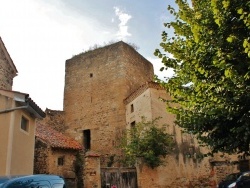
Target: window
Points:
(132, 129)
(91, 75)
(132, 108)
(58, 185)
(132, 125)
(60, 161)
(86, 139)
(25, 124)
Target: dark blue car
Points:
(230, 180)
(32, 181)
(243, 181)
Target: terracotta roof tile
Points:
(56, 139)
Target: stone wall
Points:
(46, 161)
(54, 119)
(67, 169)
(92, 171)
(6, 72)
(96, 83)
(41, 156)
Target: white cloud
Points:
(123, 28)
(163, 75)
(40, 37)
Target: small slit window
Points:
(25, 124)
(91, 75)
(86, 139)
(132, 125)
(132, 108)
(132, 129)
(60, 161)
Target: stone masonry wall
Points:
(96, 83)
(41, 155)
(6, 72)
(92, 171)
(46, 160)
(67, 169)
(54, 119)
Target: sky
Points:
(40, 35)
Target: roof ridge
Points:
(141, 89)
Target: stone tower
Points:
(7, 68)
(96, 84)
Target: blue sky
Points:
(40, 35)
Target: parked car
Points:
(32, 181)
(243, 181)
(230, 180)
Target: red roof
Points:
(56, 139)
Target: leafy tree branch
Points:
(211, 60)
(148, 141)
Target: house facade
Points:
(56, 153)
(17, 137)
(184, 165)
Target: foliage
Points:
(211, 60)
(97, 46)
(146, 141)
(111, 160)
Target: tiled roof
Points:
(25, 102)
(56, 139)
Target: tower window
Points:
(132, 108)
(86, 139)
(91, 75)
(132, 125)
(132, 129)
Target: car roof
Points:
(247, 172)
(36, 177)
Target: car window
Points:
(43, 186)
(29, 184)
(58, 185)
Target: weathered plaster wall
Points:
(5, 103)
(184, 166)
(23, 145)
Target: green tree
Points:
(148, 141)
(211, 59)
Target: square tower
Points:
(96, 84)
